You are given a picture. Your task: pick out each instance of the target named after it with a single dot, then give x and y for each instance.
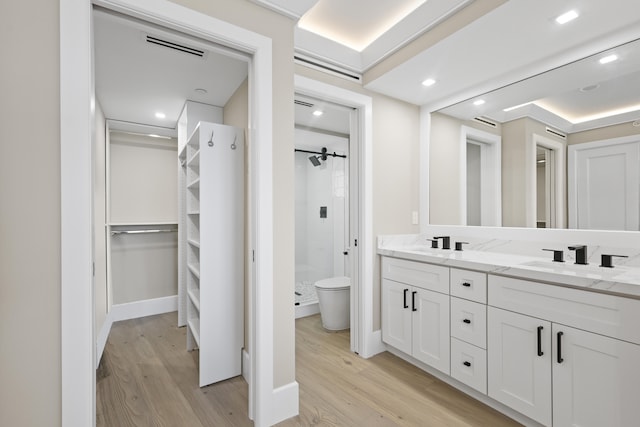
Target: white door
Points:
(606, 186)
(519, 363)
(431, 328)
(595, 380)
(396, 315)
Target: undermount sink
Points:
(568, 267)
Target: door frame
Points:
(560, 192)
(77, 120)
(364, 340)
(491, 175)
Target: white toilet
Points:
(333, 298)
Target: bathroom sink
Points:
(569, 267)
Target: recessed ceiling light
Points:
(609, 58)
(566, 17)
(160, 115)
(200, 90)
(428, 82)
(589, 88)
(478, 102)
(318, 113)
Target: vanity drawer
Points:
(419, 274)
(603, 314)
(469, 322)
(469, 365)
(471, 285)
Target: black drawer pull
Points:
(560, 359)
(466, 284)
(413, 301)
(467, 321)
(466, 363)
(540, 352)
(406, 305)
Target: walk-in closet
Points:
(169, 201)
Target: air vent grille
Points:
(556, 133)
(329, 68)
(303, 103)
(175, 46)
(485, 121)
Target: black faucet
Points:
(581, 254)
(606, 260)
(434, 243)
(446, 241)
(558, 255)
(459, 245)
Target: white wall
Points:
(143, 190)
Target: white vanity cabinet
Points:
(544, 364)
(415, 310)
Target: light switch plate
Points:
(414, 217)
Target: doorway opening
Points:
(323, 270)
(78, 339)
(481, 182)
(547, 192)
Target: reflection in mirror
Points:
(542, 123)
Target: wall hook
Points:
(211, 140)
(233, 144)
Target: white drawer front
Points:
(469, 365)
(470, 285)
(608, 315)
(469, 322)
(425, 276)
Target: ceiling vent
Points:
(556, 133)
(327, 68)
(303, 103)
(485, 121)
(175, 46)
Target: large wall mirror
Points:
(558, 150)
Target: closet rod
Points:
(113, 233)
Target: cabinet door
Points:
(396, 315)
(519, 370)
(595, 380)
(431, 328)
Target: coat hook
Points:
(211, 140)
(233, 144)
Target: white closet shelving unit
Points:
(212, 247)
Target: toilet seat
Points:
(334, 283)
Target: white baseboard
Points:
(285, 403)
(374, 345)
(101, 339)
(246, 366)
(148, 307)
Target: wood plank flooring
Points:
(146, 378)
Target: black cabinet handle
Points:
(467, 321)
(405, 298)
(466, 363)
(560, 359)
(413, 301)
(540, 352)
(466, 284)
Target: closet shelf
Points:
(194, 296)
(195, 159)
(195, 270)
(194, 325)
(193, 213)
(194, 184)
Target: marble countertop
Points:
(622, 280)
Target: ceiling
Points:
(513, 41)
(136, 78)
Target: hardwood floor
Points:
(146, 378)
